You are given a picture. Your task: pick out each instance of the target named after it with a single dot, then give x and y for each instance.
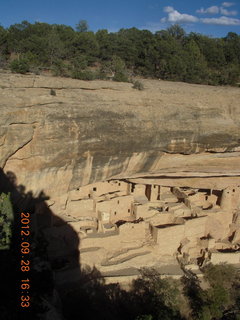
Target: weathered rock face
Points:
(93, 131)
(177, 147)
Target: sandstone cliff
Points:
(137, 178)
(93, 131)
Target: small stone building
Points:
(118, 208)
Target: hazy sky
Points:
(211, 17)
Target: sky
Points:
(210, 17)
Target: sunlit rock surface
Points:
(170, 134)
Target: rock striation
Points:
(172, 135)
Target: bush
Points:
(35, 70)
(156, 298)
(3, 61)
(84, 75)
(80, 62)
(221, 297)
(52, 92)
(138, 85)
(98, 74)
(6, 220)
(116, 67)
(20, 66)
(120, 77)
(59, 68)
(144, 317)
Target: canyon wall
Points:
(94, 131)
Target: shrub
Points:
(6, 220)
(35, 70)
(59, 68)
(52, 92)
(120, 77)
(221, 297)
(79, 62)
(84, 75)
(144, 317)
(3, 61)
(159, 298)
(138, 85)
(20, 66)
(115, 66)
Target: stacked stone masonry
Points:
(128, 224)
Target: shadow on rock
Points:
(59, 287)
(53, 247)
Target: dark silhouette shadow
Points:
(43, 264)
(60, 287)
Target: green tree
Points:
(105, 44)
(177, 32)
(55, 46)
(115, 69)
(59, 68)
(118, 65)
(82, 26)
(213, 50)
(6, 221)
(221, 297)
(17, 36)
(85, 44)
(196, 70)
(20, 66)
(232, 48)
(3, 46)
(159, 298)
(171, 57)
(168, 54)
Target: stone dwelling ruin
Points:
(145, 178)
(123, 224)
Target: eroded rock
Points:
(139, 171)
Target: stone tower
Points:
(226, 201)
